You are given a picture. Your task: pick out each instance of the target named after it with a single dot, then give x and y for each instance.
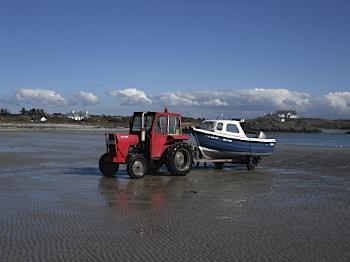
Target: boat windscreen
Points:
(208, 125)
(232, 128)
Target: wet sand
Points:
(55, 206)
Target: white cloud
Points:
(339, 101)
(202, 103)
(191, 98)
(215, 102)
(275, 98)
(39, 97)
(131, 96)
(84, 98)
(246, 99)
(178, 99)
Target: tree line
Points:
(33, 111)
(4, 111)
(24, 111)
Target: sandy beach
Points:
(56, 206)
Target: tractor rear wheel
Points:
(107, 166)
(137, 166)
(179, 159)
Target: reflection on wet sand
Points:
(129, 195)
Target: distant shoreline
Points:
(267, 124)
(79, 127)
(50, 127)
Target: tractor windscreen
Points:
(137, 122)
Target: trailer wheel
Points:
(179, 159)
(251, 163)
(107, 166)
(219, 165)
(137, 166)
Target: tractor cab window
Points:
(162, 125)
(174, 125)
(149, 122)
(137, 123)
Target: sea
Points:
(311, 139)
(35, 141)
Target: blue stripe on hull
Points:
(232, 145)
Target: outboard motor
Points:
(261, 135)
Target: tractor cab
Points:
(156, 130)
(154, 138)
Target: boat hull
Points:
(214, 146)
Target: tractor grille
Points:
(111, 149)
(111, 143)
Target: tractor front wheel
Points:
(179, 160)
(107, 166)
(137, 166)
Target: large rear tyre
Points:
(179, 159)
(137, 166)
(107, 167)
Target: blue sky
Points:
(206, 57)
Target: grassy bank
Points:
(266, 123)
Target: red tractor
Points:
(154, 139)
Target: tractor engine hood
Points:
(127, 139)
(124, 141)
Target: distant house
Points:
(286, 114)
(38, 118)
(78, 116)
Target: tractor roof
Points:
(160, 113)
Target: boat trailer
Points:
(200, 157)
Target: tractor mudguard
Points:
(172, 138)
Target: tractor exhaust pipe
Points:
(143, 130)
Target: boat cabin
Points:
(225, 127)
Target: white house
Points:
(78, 116)
(286, 114)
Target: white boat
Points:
(225, 139)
